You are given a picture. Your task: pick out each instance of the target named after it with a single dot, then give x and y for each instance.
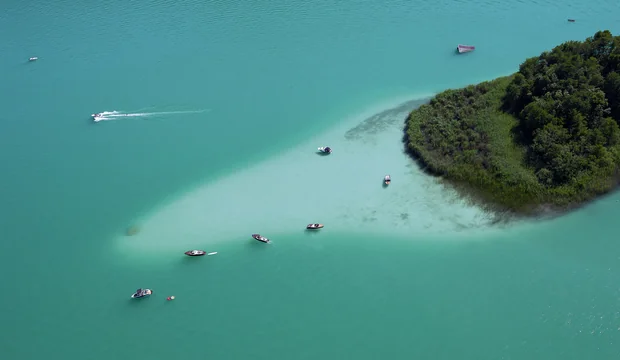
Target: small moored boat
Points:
(34, 58)
(465, 48)
(140, 293)
(195, 253)
(387, 180)
(325, 149)
(261, 238)
(571, 20)
(314, 226)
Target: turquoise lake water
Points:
(231, 100)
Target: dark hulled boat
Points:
(195, 253)
(261, 238)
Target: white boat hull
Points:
(147, 293)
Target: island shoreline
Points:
(536, 144)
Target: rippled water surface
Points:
(220, 106)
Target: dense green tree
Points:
(548, 134)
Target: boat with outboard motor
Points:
(140, 293)
(325, 150)
(195, 253)
(261, 238)
(314, 226)
(387, 180)
(465, 48)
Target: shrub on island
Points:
(547, 136)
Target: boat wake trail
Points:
(118, 115)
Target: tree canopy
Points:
(548, 134)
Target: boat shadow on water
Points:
(191, 259)
(312, 232)
(137, 302)
(258, 244)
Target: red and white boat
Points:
(465, 48)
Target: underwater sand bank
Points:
(343, 191)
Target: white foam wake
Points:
(117, 115)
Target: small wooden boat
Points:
(261, 238)
(387, 180)
(465, 48)
(140, 293)
(325, 150)
(195, 253)
(571, 20)
(314, 226)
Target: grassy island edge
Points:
(477, 140)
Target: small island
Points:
(543, 139)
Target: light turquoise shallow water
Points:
(266, 81)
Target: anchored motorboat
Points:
(387, 180)
(195, 253)
(465, 48)
(325, 149)
(314, 226)
(140, 293)
(261, 238)
(34, 58)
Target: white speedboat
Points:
(461, 49)
(387, 180)
(140, 293)
(34, 58)
(195, 253)
(325, 150)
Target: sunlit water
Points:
(236, 97)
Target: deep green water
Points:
(260, 79)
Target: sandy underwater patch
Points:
(343, 190)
